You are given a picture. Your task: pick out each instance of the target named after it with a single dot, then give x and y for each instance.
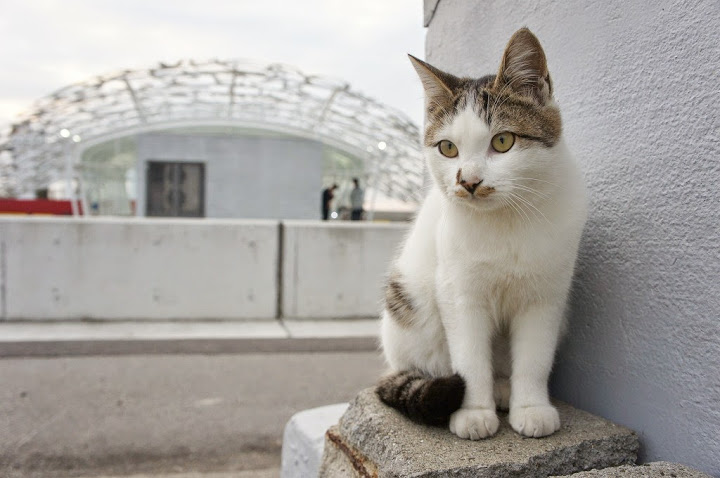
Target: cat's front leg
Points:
(469, 335)
(534, 337)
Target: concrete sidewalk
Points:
(265, 473)
(72, 338)
(94, 416)
(269, 473)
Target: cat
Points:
(475, 301)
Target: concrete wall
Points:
(238, 171)
(338, 269)
(137, 269)
(637, 83)
(62, 268)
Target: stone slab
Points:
(304, 439)
(649, 470)
(372, 439)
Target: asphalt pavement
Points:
(180, 415)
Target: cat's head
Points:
(489, 141)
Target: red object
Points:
(38, 206)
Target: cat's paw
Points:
(535, 422)
(474, 423)
(501, 392)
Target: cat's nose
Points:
(470, 184)
(471, 187)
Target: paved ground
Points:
(111, 416)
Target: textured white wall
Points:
(638, 83)
(137, 269)
(245, 177)
(337, 270)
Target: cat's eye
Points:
(502, 142)
(447, 149)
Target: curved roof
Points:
(236, 93)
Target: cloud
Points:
(49, 44)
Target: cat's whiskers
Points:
(507, 203)
(532, 191)
(535, 179)
(520, 208)
(534, 208)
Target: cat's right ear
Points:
(524, 67)
(439, 86)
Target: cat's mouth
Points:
(479, 192)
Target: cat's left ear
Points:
(439, 86)
(524, 67)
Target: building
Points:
(212, 139)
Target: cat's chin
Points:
(483, 204)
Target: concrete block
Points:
(649, 470)
(63, 268)
(336, 269)
(372, 439)
(304, 438)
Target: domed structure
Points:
(225, 138)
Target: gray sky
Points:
(48, 44)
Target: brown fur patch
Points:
(397, 301)
(440, 111)
(483, 191)
(503, 110)
(512, 112)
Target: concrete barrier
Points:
(304, 440)
(108, 269)
(61, 268)
(336, 269)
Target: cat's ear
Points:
(439, 86)
(524, 67)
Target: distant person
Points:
(327, 196)
(357, 198)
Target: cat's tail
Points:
(424, 399)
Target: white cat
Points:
(475, 301)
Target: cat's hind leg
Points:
(415, 345)
(421, 384)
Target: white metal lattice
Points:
(234, 93)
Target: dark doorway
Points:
(175, 189)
